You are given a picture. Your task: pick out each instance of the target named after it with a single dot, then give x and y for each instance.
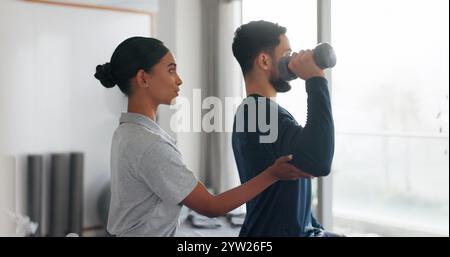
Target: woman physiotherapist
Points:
(149, 180)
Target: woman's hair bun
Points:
(103, 73)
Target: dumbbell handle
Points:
(324, 56)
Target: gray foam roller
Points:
(76, 193)
(59, 195)
(34, 203)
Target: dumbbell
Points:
(324, 56)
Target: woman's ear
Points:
(142, 79)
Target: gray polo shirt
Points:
(148, 179)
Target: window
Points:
(302, 34)
(391, 109)
(390, 103)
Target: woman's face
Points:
(164, 81)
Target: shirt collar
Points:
(142, 120)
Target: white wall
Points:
(49, 99)
(51, 108)
(7, 195)
(190, 59)
(191, 29)
(179, 26)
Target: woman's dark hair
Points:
(130, 56)
(254, 37)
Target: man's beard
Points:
(280, 85)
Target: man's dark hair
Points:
(254, 37)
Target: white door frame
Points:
(325, 184)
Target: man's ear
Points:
(142, 79)
(264, 61)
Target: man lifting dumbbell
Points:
(264, 54)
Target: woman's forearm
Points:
(201, 201)
(233, 198)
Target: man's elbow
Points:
(316, 163)
(323, 166)
(320, 170)
(316, 169)
(323, 171)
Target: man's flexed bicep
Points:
(312, 146)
